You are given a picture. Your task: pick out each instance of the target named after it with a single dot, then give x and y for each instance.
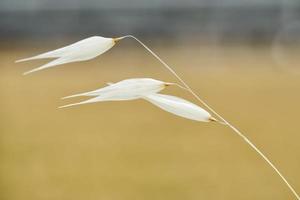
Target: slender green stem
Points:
(214, 112)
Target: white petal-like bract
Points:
(82, 50)
(180, 107)
(128, 89)
(94, 100)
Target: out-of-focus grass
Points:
(132, 150)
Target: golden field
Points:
(134, 151)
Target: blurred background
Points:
(241, 56)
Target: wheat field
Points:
(131, 150)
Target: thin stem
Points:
(213, 111)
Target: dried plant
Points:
(136, 89)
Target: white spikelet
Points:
(128, 89)
(180, 107)
(82, 50)
(92, 100)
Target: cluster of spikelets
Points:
(129, 89)
(138, 88)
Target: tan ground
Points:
(134, 151)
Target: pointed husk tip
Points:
(212, 119)
(118, 39)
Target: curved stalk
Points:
(224, 121)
